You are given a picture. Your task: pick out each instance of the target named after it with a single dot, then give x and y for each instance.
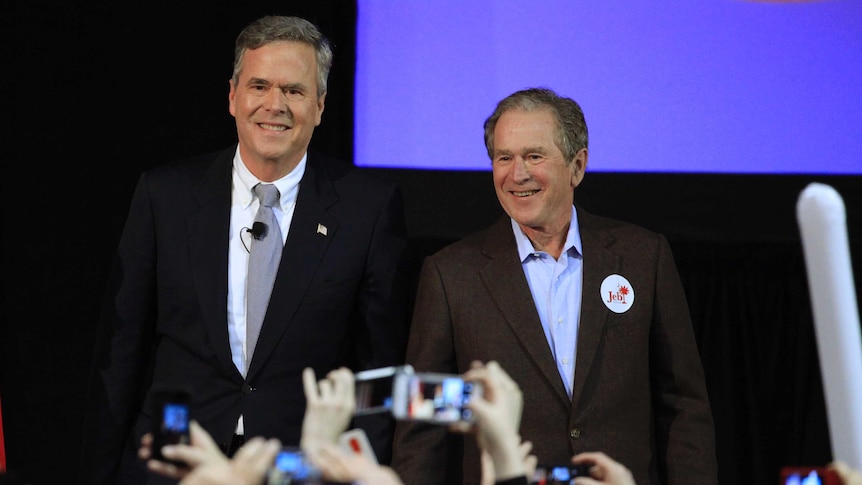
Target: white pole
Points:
(823, 226)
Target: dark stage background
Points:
(96, 92)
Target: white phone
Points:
(374, 388)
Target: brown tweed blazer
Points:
(639, 392)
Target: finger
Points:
(347, 389)
(530, 463)
(333, 465)
(252, 467)
(265, 458)
(586, 481)
(476, 374)
(324, 389)
(309, 384)
(188, 455)
(144, 451)
(200, 438)
(164, 468)
(344, 384)
(249, 448)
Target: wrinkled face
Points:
(534, 184)
(275, 102)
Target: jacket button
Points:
(247, 389)
(575, 433)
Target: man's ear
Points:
(321, 103)
(231, 95)
(579, 166)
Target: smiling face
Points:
(276, 106)
(534, 184)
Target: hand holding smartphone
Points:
(415, 396)
(172, 423)
(292, 467)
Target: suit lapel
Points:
(599, 262)
(515, 301)
(208, 244)
(303, 251)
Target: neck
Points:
(549, 242)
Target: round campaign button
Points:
(617, 293)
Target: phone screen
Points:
(437, 398)
(291, 467)
(557, 475)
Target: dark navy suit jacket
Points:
(337, 301)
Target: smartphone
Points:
(374, 388)
(433, 398)
(172, 423)
(811, 475)
(291, 467)
(558, 475)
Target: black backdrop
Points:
(96, 92)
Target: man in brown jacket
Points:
(587, 314)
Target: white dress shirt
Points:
(244, 205)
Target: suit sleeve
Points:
(421, 450)
(124, 338)
(383, 303)
(684, 427)
(383, 312)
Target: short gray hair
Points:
(572, 133)
(274, 28)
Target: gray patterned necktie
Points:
(262, 265)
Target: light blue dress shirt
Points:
(556, 286)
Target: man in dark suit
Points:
(175, 313)
(587, 314)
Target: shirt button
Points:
(560, 320)
(565, 361)
(575, 433)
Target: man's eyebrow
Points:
(293, 86)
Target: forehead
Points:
(280, 60)
(522, 127)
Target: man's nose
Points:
(520, 169)
(276, 101)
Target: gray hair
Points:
(572, 132)
(273, 28)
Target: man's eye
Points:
(294, 94)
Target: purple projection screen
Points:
(708, 86)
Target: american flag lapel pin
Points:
(321, 229)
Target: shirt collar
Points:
(572, 246)
(244, 181)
